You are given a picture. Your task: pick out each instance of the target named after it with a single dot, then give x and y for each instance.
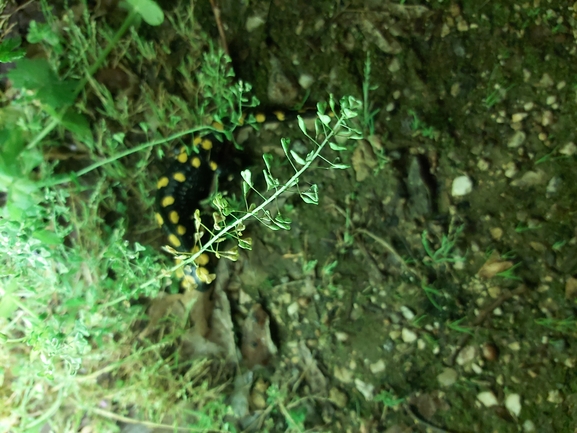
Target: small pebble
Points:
(569, 149)
(448, 377)
(528, 426)
(490, 352)
(466, 355)
(366, 389)
(462, 185)
(306, 81)
(338, 397)
(496, 233)
(517, 139)
(487, 398)
(377, 367)
(513, 404)
(408, 336)
(517, 117)
(407, 313)
(254, 22)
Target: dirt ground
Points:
(441, 296)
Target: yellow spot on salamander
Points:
(178, 176)
(218, 125)
(174, 241)
(159, 219)
(206, 144)
(162, 182)
(204, 276)
(173, 216)
(188, 283)
(202, 260)
(183, 157)
(167, 201)
(280, 116)
(260, 117)
(197, 140)
(213, 165)
(180, 230)
(195, 162)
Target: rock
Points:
(462, 185)
(338, 397)
(528, 426)
(496, 233)
(517, 139)
(513, 404)
(517, 117)
(487, 398)
(448, 377)
(407, 313)
(343, 375)
(366, 389)
(254, 22)
(466, 355)
(531, 178)
(569, 149)
(408, 336)
(306, 81)
(377, 367)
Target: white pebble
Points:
(517, 139)
(487, 398)
(254, 22)
(407, 313)
(377, 367)
(448, 377)
(513, 404)
(306, 81)
(293, 309)
(462, 185)
(408, 336)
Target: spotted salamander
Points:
(187, 181)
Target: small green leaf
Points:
(336, 147)
(247, 177)
(268, 158)
(8, 51)
(271, 182)
(47, 237)
(245, 243)
(285, 143)
(8, 305)
(297, 158)
(325, 119)
(302, 125)
(77, 124)
(283, 223)
(312, 195)
(150, 12)
(38, 32)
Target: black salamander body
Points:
(188, 181)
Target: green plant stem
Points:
(56, 119)
(256, 210)
(70, 177)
